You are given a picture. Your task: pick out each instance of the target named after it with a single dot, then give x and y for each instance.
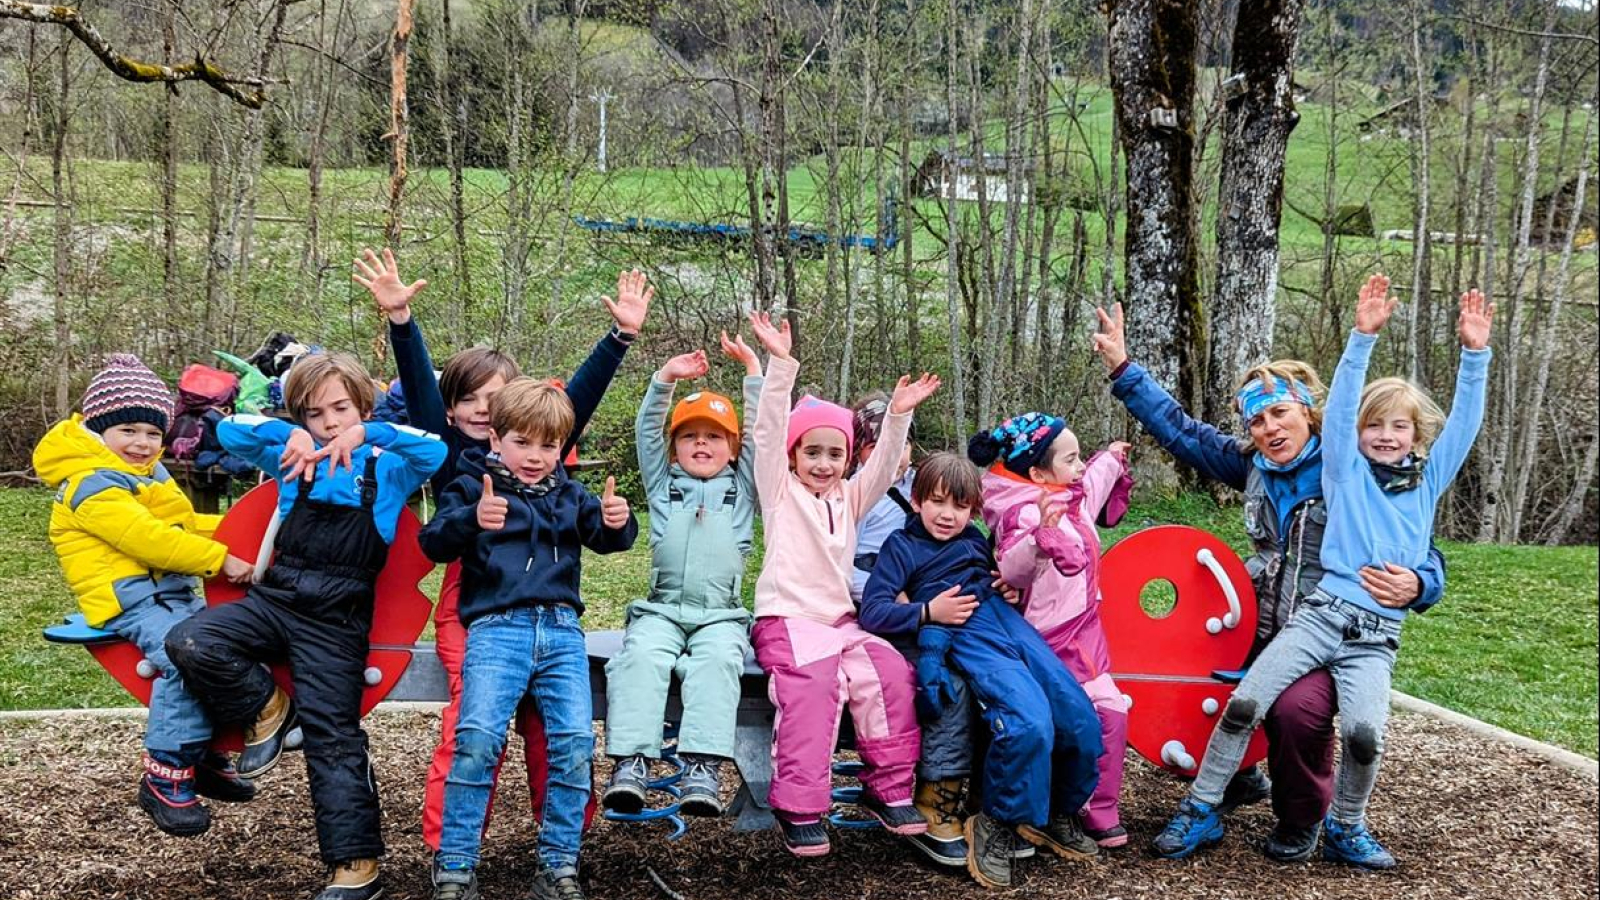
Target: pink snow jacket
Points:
(1056, 569)
(811, 540)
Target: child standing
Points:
(455, 406)
(1041, 501)
(1045, 735)
(702, 523)
(131, 546)
(806, 636)
(1388, 455)
(518, 527)
(339, 499)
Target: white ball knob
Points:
(1214, 625)
(146, 669)
(1127, 701)
(294, 738)
(1174, 754)
(1209, 706)
(373, 675)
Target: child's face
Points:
(470, 414)
(530, 459)
(1066, 463)
(900, 470)
(942, 515)
(1281, 431)
(819, 459)
(136, 443)
(1388, 438)
(331, 411)
(702, 449)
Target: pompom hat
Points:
(1020, 442)
(812, 412)
(124, 392)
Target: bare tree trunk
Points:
(255, 140)
(993, 309)
(1420, 321)
(1255, 139)
(399, 120)
(1495, 519)
(1554, 531)
(519, 182)
(170, 290)
(904, 229)
(62, 255)
(453, 126)
(1016, 142)
(9, 230)
(958, 358)
(833, 252)
(1152, 57)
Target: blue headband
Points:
(1256, 396)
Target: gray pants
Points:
(1358, 648)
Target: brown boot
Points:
(264, 740)
(355, 879)
(940, 803)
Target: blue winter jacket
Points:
(913, 561)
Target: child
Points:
(1041, 501)
(339, 500)
(131, 545)
(805, 635)
(1383, 473)
(520, 566)
(702, 524)
(455, 406)
(889, 514)
(1045, 736)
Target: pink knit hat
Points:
(811, 413)
(126, 391)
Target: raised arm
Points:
(873, 481)
(736, 349)
(381, 277)
(588, 385)
(1100, 476)
(1461, 426)
(771, 429)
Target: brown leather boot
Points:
(355, 879)
(264, 739)
(940, 803)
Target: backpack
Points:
(200, 390)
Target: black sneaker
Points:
(454, 884)
(700, 788)
(556, 884)
(991, 846)
(1064, 837)
(215, 777)
(630, 784)
(1291, 843)
(804, 838)
(1247, 787)
(903, 819)
(264, 744)
(167, 795)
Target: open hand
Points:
(908, 394)
(1109, 341)
(685, 365)
(775, 338)
(382, 278)
(297, 459)
(737, 350)
(951, 607)
(613, 509)
(1477, 316)
(1050, 512)
(491, 509)
(634, 293)
(1375, 305)
(1119, 449)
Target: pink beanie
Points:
(811, 413)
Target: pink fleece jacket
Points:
(810, 539)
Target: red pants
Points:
(451, 643)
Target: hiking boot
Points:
(264, 740)
(454, 884)
(700, 788)
(1195, 826)
(215, 777)
(1063, 836)
(166, 794)
(806, 837)
(1353, 844)
(1247, 786)
(945, 841)
(556, 884)
(1108, 838)
(1291, 843)
(630, 784)
(991, 846)
(355, 879)
(900, 818)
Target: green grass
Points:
(1513, 643)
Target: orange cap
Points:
(709, 407)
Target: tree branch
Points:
(1557, 35)
(201, 69)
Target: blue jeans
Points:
(536, 652)
(177, 720)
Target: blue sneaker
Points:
(1196, 826)
(1353, 844)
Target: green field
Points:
(1513, 642)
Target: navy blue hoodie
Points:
(536, 558)
(914, 561)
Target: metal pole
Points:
(601, 97)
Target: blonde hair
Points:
(1387, 397)
(1290, 370)
(537, 410)
(307, 376)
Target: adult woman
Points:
(1279, 470)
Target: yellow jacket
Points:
(123, 533)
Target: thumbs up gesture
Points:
(613, 509)
(491, 509)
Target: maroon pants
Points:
(1300, 749)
